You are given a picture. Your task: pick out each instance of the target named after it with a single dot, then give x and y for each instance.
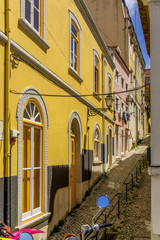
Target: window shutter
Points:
(23, 9)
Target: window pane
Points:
(26, 146)
(26, 191)
(28, 10)
(72, 44)
(73, 29)
(75, 48)
(71, 59)
(36, 3)
(36, 188)
(36, 19)
(75, 63)
(37, 147)
(26, 114)
(96, 80)
(96, 61)
(96, 149)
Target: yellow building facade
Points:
(59, 144)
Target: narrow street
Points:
(135, 219)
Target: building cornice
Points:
(3, 38)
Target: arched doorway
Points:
(75, 159)
(32, 120)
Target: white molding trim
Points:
(73, 16)
(20, 107)
(27, 57)
(95, 53)
(74, 115)
(33, 33)
(3, 38)
(96, 126)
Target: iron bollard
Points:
(136, 174)
(132, 181)
(105, 230)
(140, 168)
(119, 203)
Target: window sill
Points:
(96, 163)
(97, 96)
(75, 75)
(34, 222)
(27, 28)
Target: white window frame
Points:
(131, 76)
(116, 76)
(110, 77)
(96, 127)
(122, 87)
(116, 104)
(95, 54)
(127, 87)
(72, 17)
(34, 212)
(30, 25)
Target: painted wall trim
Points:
(3, 37)
(51, 75)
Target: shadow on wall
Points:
(58, 177)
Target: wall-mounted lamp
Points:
(109, 102)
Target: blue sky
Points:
(132, 6)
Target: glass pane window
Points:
(74, 31)
(117, 104)
(36, 3)
(96, 75)
(96, 146)
(32, 161)
(32, 113)
(26, 180)
(122, 83)
(109, 85)
(36, 19)
(28, 10)
(74, 55)
(32, 13)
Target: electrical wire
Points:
(77, 96)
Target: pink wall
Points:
(123, 71)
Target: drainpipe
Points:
(6, 120)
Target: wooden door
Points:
(73, 169)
